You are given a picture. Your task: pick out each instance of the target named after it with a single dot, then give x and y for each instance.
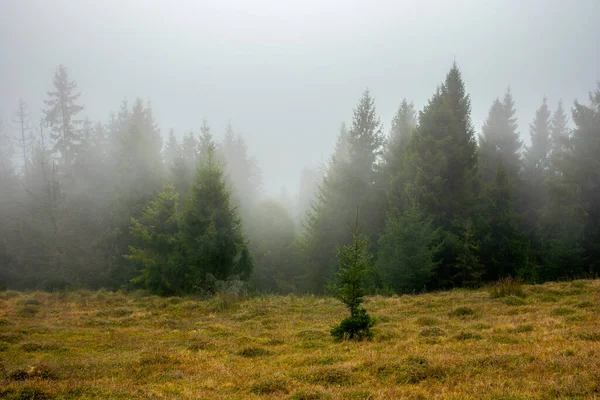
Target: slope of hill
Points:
(456, 345)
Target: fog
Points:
(287, 73)
(193, 147)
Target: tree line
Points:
(107, 204)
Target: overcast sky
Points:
(287, 73)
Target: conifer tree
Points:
(155, 253)
(272, 240)
(22, 119)
(580, 171)
(206, 138)
(61, 115)
(403, 124)
(189, 150)
(172, 150)
(500, 141)
(140, 164)
(349, 183)
(467, 269)
(242, 173)
(559, 136)
(536, 168)
(354, 264)
(310, 179)
(503, 245)
(441, 169)
(211, 230)
(405, 260)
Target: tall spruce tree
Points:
(559, 136)
(500, 141)
(403, 124)
(172, 151)
(61, 116)
(23, 120)
(349, 183)
(406, 254)
(242, 173)
(441, 169)
(155, 251)
(272, 239)
(503, 246)
(582, 168)
(536, 170)
(211, 230)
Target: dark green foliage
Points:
(354, 265)
(503, 245)
(441, 211)
(407, 250)
(403, 124)
(536, 166)
(440, 172)
(156, 251)
(357, 327)
(211, 230)
(467, 269)
(571, 219)
(582, 168)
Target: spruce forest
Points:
(123, 204)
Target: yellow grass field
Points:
(451, 345)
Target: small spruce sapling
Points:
(354, 265)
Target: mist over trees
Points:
(121, 203)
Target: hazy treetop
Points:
(288, 72)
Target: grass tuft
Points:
(590, 336)
(462, 312)
(560, 311)
(427, 321)
(335, 376)
(310, 394)
(275, 384)
(432, 332)
(32, 347)
(157, 359)
(252, 352)
(27, 311)
(523, 329)
(514, 301)
(10, 337)
(417, 369)
(24, 393)
(507, 287)
(468, 336)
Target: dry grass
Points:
(457, 345)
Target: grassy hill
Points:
(456, 345)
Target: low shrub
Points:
(357, 327)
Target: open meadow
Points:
(457, 345)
